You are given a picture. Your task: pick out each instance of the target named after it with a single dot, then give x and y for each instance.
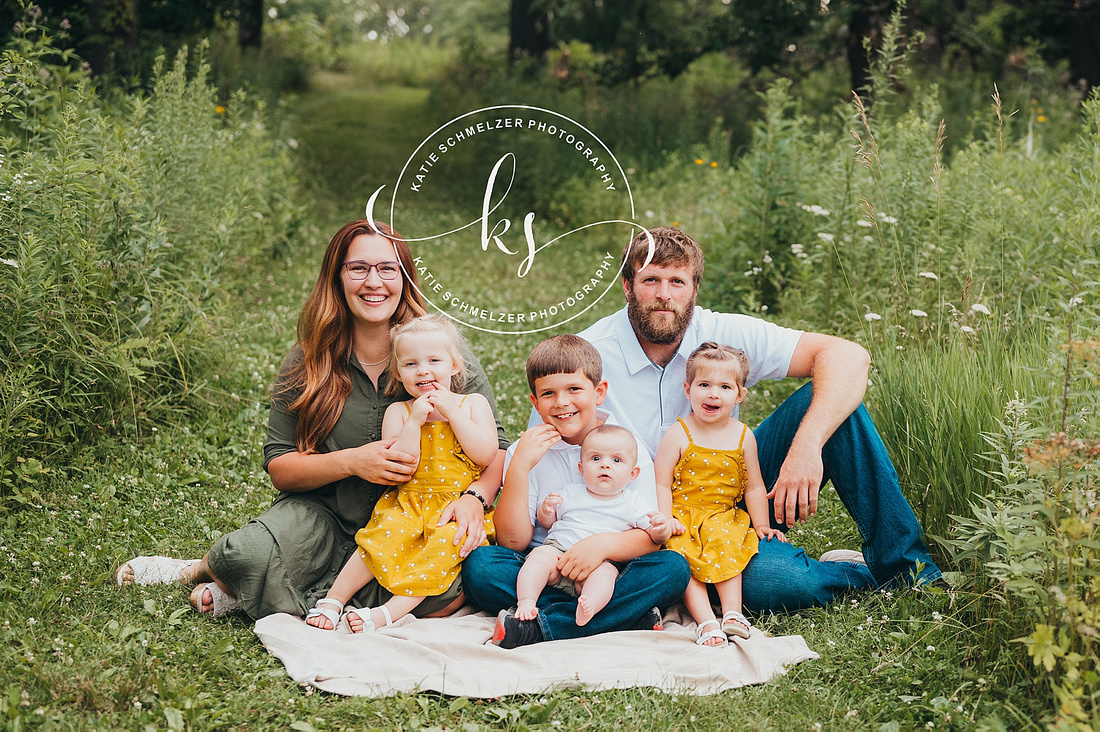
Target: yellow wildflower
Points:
(698, 161)
(219, 109)
(713, 164)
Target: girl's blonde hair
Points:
(448, 336)
(718, 354)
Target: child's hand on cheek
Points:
(533, 444)
(444, 402)
(421, 408)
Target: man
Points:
(822, 432)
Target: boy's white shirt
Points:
(560, 466)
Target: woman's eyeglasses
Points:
(358, 270)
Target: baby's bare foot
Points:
(526, 610)
(585, 610)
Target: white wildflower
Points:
(918, 313)
(864, 222)
(928, 275)
(649, 214)
(10, 263)
(871, 317)
(824, 236)
(966, 329)
(979, 308)
(930, 648)
(886, 219)
(767, 259)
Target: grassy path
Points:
(357, 136)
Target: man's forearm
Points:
(839, 371)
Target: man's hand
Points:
(469, 516)
(533, 444)
(797, 487)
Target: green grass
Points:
(77, 653)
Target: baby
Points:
(609, 457)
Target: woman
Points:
(324, 451)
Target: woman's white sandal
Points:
(702, 637)
(332, 616)
(734, 623)
(153, 570)
(364, 615)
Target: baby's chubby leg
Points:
(595, 591)
(540, 568)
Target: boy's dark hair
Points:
(614, 431)
(671, 247)
(564, 354)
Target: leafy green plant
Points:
(123, 219)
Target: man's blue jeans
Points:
(659, 578)
(782, 577)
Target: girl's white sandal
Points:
(734, 623)
(701, 636)
(364, 615)
(333, 616)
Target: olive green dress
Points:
(287, 558)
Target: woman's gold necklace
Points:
(364, 364)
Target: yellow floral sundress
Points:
(402, 545)
(707, 484)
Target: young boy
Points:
(565, 376)
(609, 461)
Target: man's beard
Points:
(659, 331)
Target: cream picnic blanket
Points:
(453, 656)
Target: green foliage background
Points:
(156, 245)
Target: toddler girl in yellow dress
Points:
(454, 437)
(705, 464)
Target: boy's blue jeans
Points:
(781, 577)
(660, 578)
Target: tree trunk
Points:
(528, 30)
(1084, 41)
(250, 23)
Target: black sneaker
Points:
(512, 633)
(651, 620)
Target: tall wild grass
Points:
(972, 280)
(124, 218)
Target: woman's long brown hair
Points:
(322, 379)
